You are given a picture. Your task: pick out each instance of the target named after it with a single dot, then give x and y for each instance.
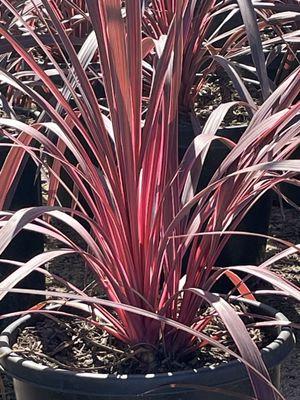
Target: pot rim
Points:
(285, 337)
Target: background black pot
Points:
(239, 249)
(235, 21)
(292, 191)
(279, 65)
(26, 193)
(64, 197)
(33, 381)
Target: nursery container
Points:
(239, 249)
(63, 196)
(34, 381)
(26, 193)
(234, 22)
(292, 191)
(273, 64)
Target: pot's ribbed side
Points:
(43, 383)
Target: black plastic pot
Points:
(26, 193)
(239, 249)
(291, 63)
(234, 22)
(64, 197)
(33, 381)
(292, 192)
(273, 63)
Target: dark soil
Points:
(77, 345)
(219, 89)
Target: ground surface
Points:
(286, 225)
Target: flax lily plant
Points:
(219, 34)
(142, 213)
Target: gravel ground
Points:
(284, 225)
(287, 226)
